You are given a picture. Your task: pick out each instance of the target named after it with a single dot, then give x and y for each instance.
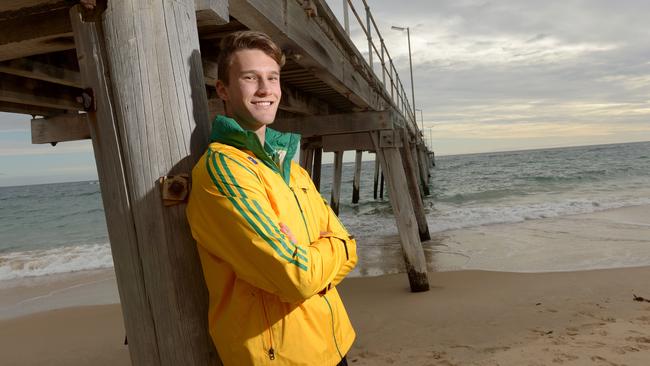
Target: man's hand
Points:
(285, 229)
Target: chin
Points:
(266, 119)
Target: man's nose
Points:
(263, 86)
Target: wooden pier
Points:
(137, 77)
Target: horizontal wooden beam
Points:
(35, 34)
(41, 71)
(333, 124)
(351, 141)
(306, 43)
(211, 12)
(32, 92)
(14, 6)
(28, 109)
(59, 128)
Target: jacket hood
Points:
(278, 150)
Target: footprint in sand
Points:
(564, 357)
(603, 361)
(495, 349)
(645, 319)
(625, 349)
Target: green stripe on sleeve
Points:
(243, 213)
(292, 248)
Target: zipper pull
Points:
(271, 354)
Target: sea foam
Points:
(56, 260)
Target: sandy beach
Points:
(481, 310)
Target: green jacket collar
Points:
(278, 150)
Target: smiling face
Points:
(253, 92)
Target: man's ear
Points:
(222, 91)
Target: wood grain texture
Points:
(391, 166)
(29, 109)
(40, 71)
(59, 128)
(349, 141)
(135, 301)
(161, 116)
(14, 89)
(35, 34)
(309, 126)
(412, 180)
(211, 12)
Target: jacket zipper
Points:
(333, 335)
(271, 351)
(304, 221)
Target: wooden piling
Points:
(376, 180)
(391, 163)
(306, 157)
(381, 186)
(357, 177)
(424, 170)
(420, 173)
(151, 121)
(336, 181)
(315, 173)
(413, 187)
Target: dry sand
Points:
(469, 317)
(494, 318)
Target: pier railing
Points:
(390, 79)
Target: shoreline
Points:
(473, 315)
(481, 318)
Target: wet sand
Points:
(470, 317)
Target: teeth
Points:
(262, 103)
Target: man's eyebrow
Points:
(256, 71)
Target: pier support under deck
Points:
(412, 179)
(315, 173)
(357, 176)
(387, 147)
(336, 181)
(150, 120)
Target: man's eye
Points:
(249, 77)
(274, 78)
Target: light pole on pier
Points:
(408, 36)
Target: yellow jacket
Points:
(272, 302)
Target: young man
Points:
(272, 250)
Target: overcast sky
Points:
(489, 76)
(504, 75)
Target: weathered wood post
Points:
(315, 173)
(357, 176)
(424, 169)
(336, 181)
(414, 187)
(387, 146)
(418, 170)
(151, 120)
(306, 157)
(376, 180)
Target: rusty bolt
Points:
(176, 188)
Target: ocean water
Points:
(58, 228)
